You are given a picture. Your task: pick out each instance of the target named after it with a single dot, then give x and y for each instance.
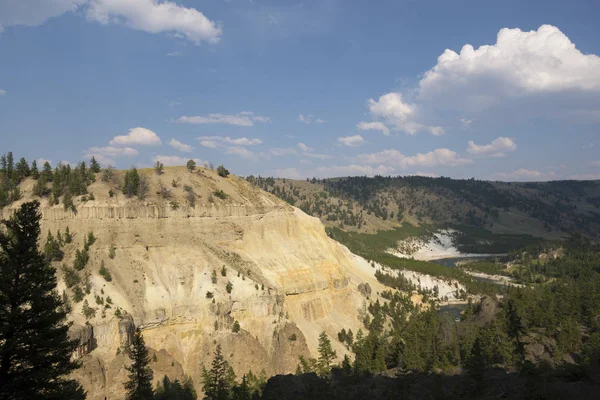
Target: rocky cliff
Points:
(289, 281)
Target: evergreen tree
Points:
(22, 169)
(35, 173)
(94, 165)
(47, 172)
(219, 380)
(139, 384)
(68, 236)
(191, 165)
(176, 390)
(326, 354)
(35, 350)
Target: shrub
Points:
(108, 174)
(224, 271)
(159, 168)
(77, 294)
(236, 327)
(88, 311)
(81, 259)
(111, 252)
(213, 276)
(220, 194)
(292, 337)
(105, 272)
(71, 277)
(222, 171)
(209, 295)
(229, 287)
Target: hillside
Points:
(184, 267)
(544, 209)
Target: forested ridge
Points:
(370, 204)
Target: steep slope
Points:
(289, 280)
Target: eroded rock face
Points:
(289, 282)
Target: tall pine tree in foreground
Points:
(219, 380)
(139, 385)
(35, 351)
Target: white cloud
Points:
(176, 144)
(373, 126)
(279, 152)
(40, 162)
(400, 115)
(245, 118)
(2, 92)
(240, 151)
(523, 174)
(595, 164)
(433, 158)
(304, 148)
(219, 141)
(465, 121)
(174, 161)
(425, 174)
(290, 173)
(351, 141)
(519, 63)
(309, 119)
(137, 136)
(353, 170)
(102, 159)
(156, 16)
(498, 148)
(34, 12)
(174, 54)
(153, 16)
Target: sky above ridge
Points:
(486, 89)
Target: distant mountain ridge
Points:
(545, 209)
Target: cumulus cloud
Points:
(156, 16)
(245, 118)
(176, 144)
(40, 161)
(351, 141)
(498, 148)
(523, 174)
(400, 115)
(153, 16)
(519, 63)
(137, 136)
(2, 92)
(309, 119)
(174, 161)
(437, 157)
(220, 141)
(373, 126)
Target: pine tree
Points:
(22, 169)
(219, 380)
(47, 172)
(139, 384)
(94, 165)
(35, 350)
(326, 354)
(35, 173)
(191, 165)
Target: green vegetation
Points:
(104, 272)
(222, 171)
(236, 327)
(220, 194)
(139, 382)
(34, 342)
(191, 165)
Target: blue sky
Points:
(306, 88)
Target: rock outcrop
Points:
(184, 274)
